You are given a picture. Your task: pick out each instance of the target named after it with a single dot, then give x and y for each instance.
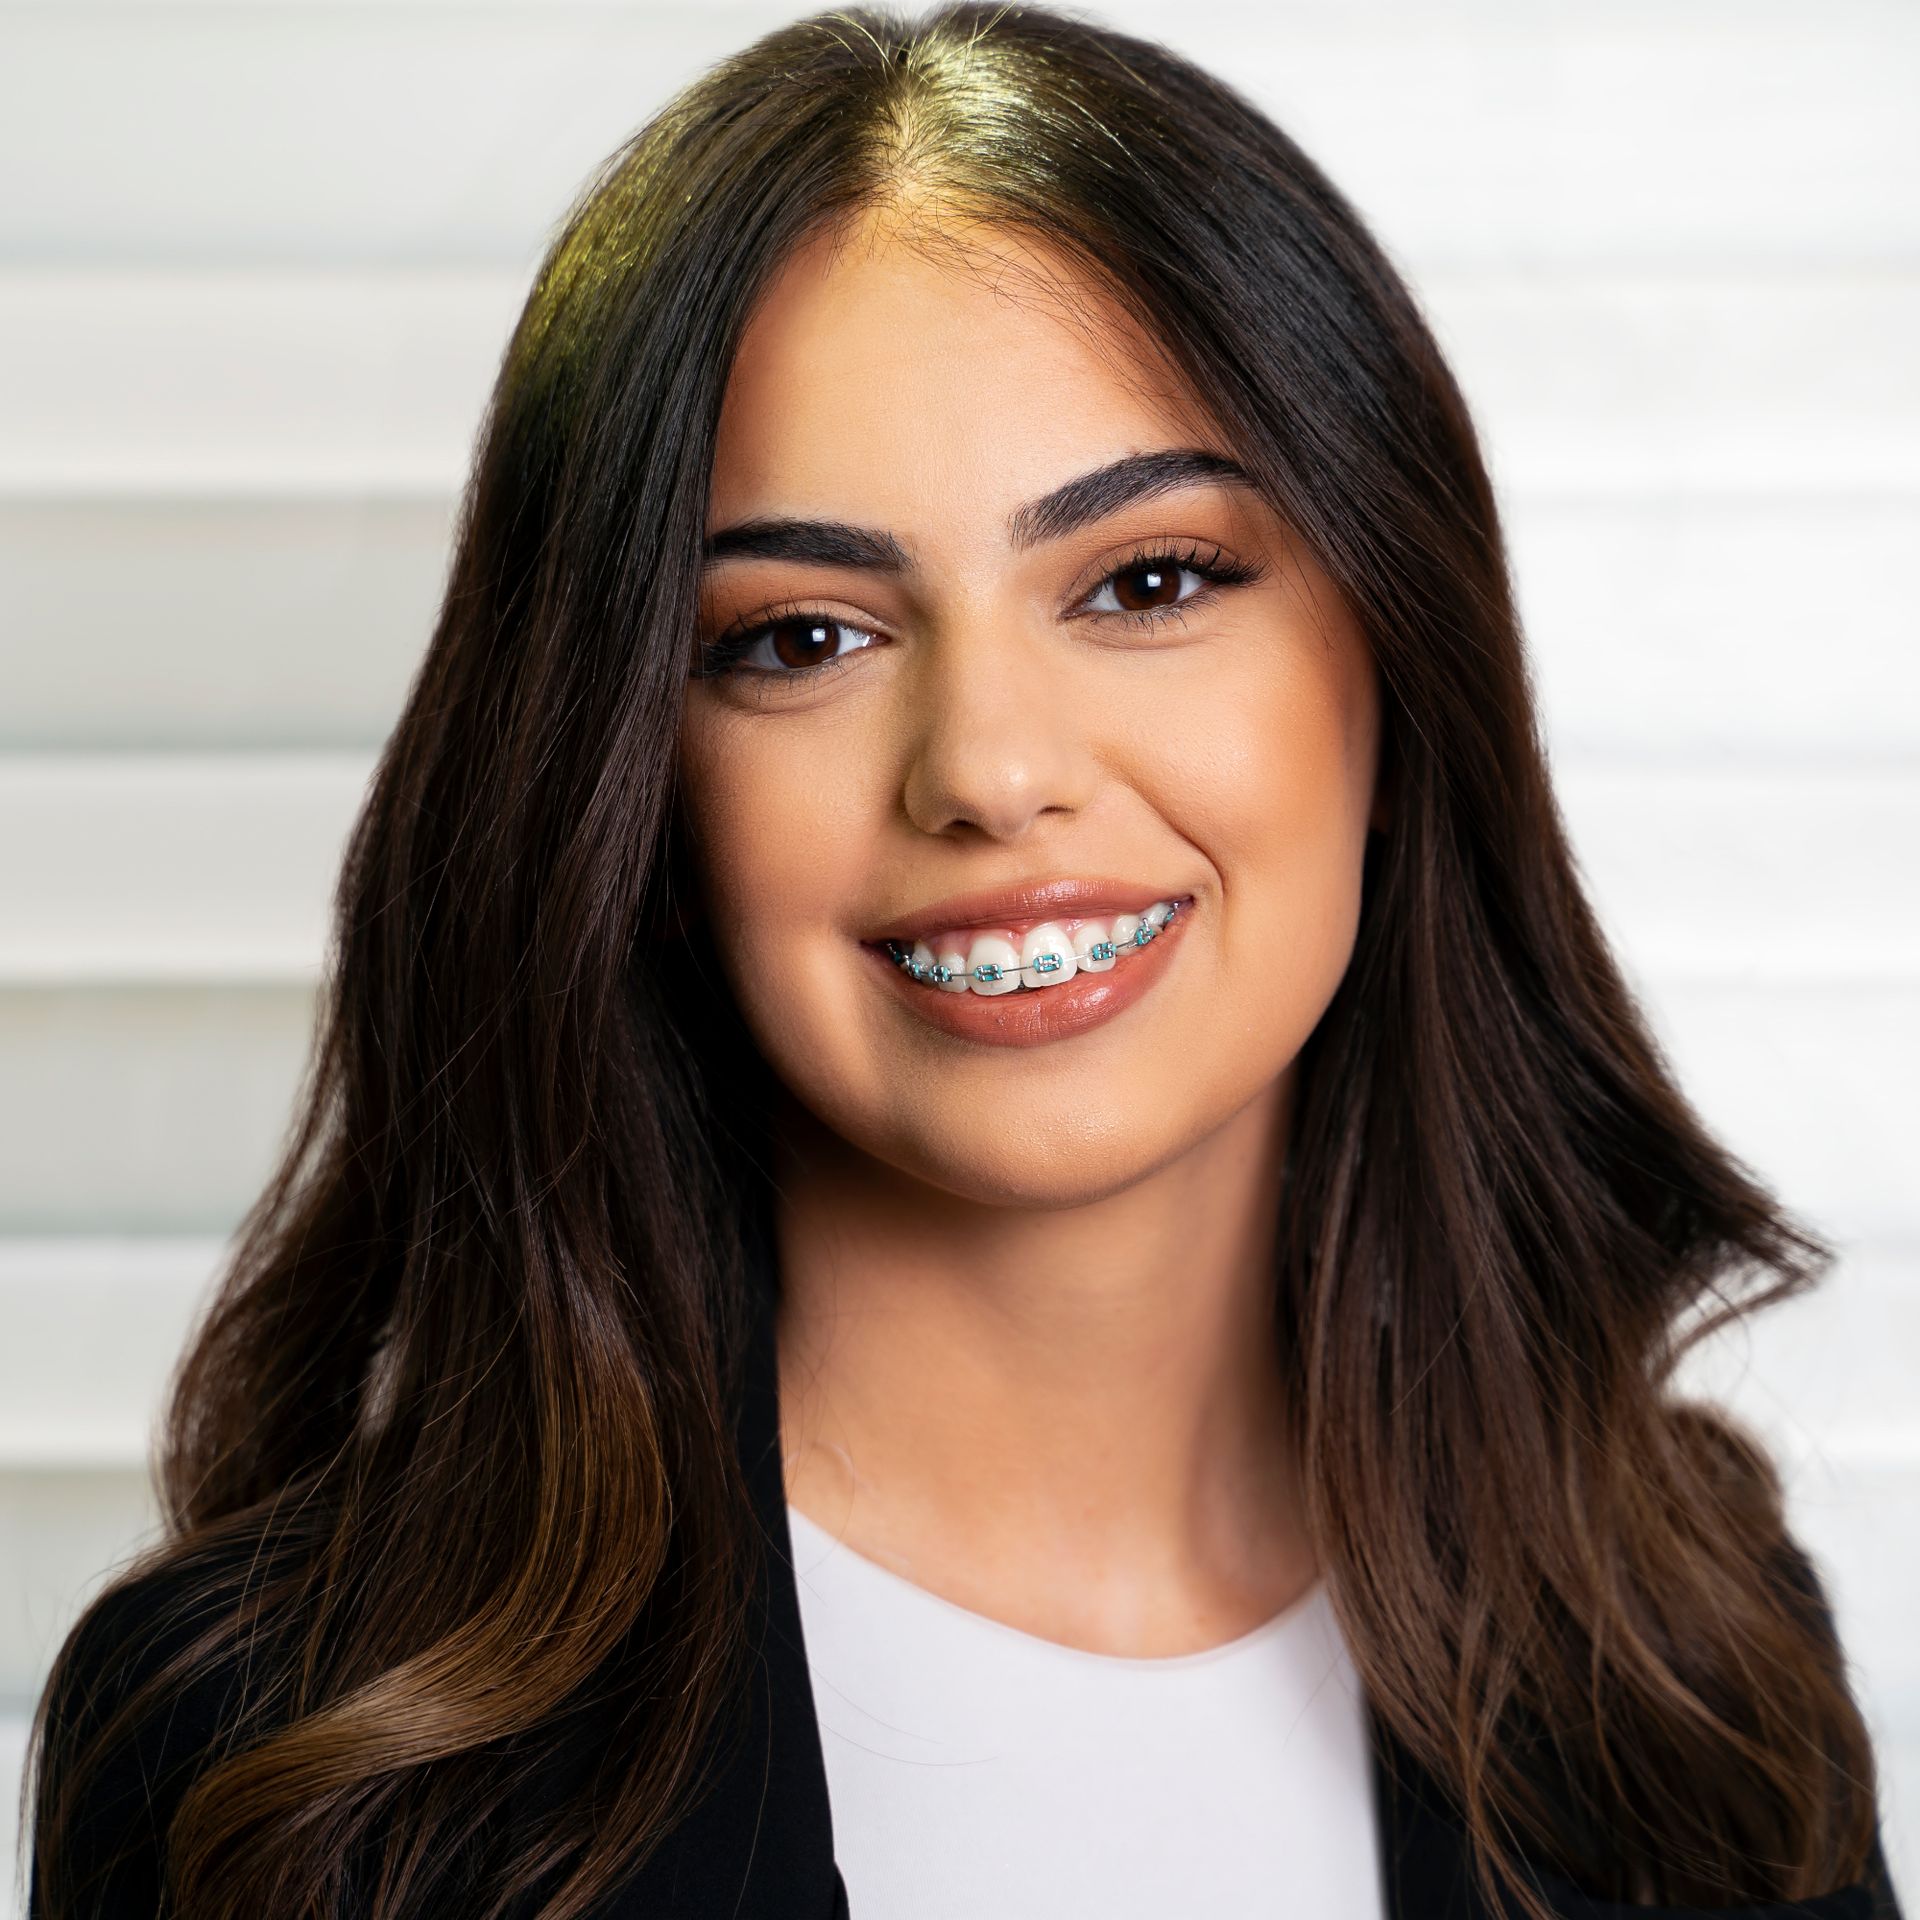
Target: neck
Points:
(1071, 1419)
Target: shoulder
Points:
(144, 1692)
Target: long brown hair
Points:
(450, 1451)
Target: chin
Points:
(1050, 1171)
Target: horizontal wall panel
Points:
(295, 385)
(460, 133)
(144, 1110)
(1701, 630)
(1727, 384)
(202, 868)
(312, 384)
(1685, 627)
(128, 1109)
(210, 623)
(1716, 875)
(94, 1327)
(172, 867)
(1812, 1087)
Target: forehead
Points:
(931, 383)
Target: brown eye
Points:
(790, 646)
(1148, 585)
(801, 641)
(1146, 588)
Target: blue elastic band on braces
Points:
(988, 971)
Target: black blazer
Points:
(760, 1845)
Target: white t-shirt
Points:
(977, 1772)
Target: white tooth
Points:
(995, 949)
(1049, 937)
(953, 956)
(922, 956)
(1125, 926)
(1089, 934)
(1158, 912)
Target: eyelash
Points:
(723, 655)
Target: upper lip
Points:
(1025, 902)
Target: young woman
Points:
(980, 1227)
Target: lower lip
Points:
(1033, 1016)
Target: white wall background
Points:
(257, 262)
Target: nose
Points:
(996, 739)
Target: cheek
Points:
(1275, 778)
(780, 827)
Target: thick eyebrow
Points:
(1136, 476)
(1074, 504)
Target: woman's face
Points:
(1025, 677)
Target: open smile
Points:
(1064, 977)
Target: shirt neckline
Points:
(1283, 1624)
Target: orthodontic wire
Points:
(989, 971)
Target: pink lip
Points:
(1024, 904)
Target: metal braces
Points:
(989, 971)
